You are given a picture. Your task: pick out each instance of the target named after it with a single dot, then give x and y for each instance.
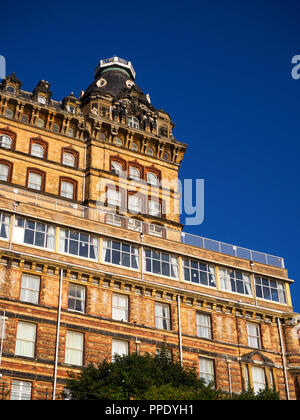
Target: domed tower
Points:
(130, 144)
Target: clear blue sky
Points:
(222, 69)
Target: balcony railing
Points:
(103, 216)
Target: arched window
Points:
(166, 156)
(133, 122)
(116, 168)
(9, 113)
(152, 178)
(5, 141)
(71, 109)
(37, 150)
(11, 89)
(67, 189)
(135, 147)
(118, 141)
(134, 173)
(71, 132)
(42, 100)
(149, 151)
(4, 172)
(35, 181)
(69, 160)
(55, 128)
(40, 123)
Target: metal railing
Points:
(233, 250)
(130, 223)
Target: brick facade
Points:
(228, 345)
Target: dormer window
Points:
(42, 100)
(149, 151)
(135, 147)
(133, 122)
(71, 109)
(11, 89)
(129, 84)
(118, 141)
(166, 156)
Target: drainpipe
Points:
(179, 329)
(57, 334)
(229, 375)
(2, 337)
(283, 359)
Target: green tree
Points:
(147, 377)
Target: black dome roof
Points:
(116, 83)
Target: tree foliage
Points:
(147, 377)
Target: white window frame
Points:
(70, 239)
(117, 344)
(133, 122)
(30, 288)
(4, 172)
(25, 344)
(154, 208)
(74, 353)
(162, 316)
(134, 173)
(69, 160)
(76, 298)
(4, 225)
(206, 369)
(20, 390)
(136, 225)
(116, 168)
(230, 281)
(121, 254)
(198, 272)
(254, 335)
(203, 325)
(32, 182)
(152, 178)
(135, 204)
(41, 234)
(37, 150)
(114, 197)
(256, 382)
(268, 289)
(155, 230)
(6, 141)
(67, 190)
(161, 263)
(120, 307)
(42, 100)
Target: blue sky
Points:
(222, 69)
